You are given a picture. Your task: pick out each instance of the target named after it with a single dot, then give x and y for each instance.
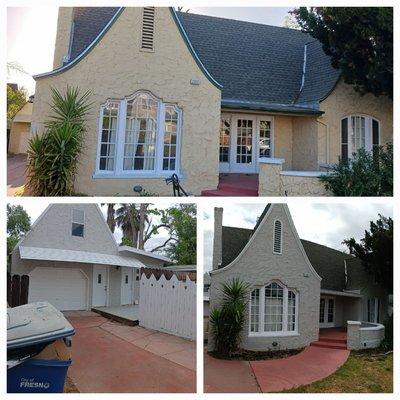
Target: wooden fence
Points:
(17, 290)
(168, 302)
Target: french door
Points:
(243, 139)
(326, 312)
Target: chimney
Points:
(217, 243)
(63, 36)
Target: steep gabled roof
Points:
(259, 66)
(327, 262)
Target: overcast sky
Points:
(31, 34)
(36, 206)
(327, 224)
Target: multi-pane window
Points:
(139, 135)
(255, 310)
(244, 144)
(358, 132)
(265, 139)
(170, 135)
(273, 310)
(224, 139)
(78, 223)
(373, 310)
(321, 311)
(331, 307)
(108, 137)
(291, 319)
(278, 237)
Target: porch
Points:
(332, 338)
(128, 314)
(235, 185)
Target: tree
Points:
(18, 224)
(16, 99)
(376, 251)
(180, 222)
(359, 41)
(110, 216)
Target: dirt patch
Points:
(248, 355)
(69, 386)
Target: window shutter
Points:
(345, 140)
(148, 28)
(278, 237)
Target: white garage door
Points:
(64, 288)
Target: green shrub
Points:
(227, 322)
(53, 156)
(366, 174)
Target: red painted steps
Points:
(235, 185)
(326, 342)
(234, 192)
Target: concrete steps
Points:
(329, 343)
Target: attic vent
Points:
(277, 237)
(148, 28)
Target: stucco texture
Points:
(344, 101)
(19, 137)
(116, 68)
(257, 266)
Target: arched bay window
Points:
(139, 136)
(273, 310)
(359, 132)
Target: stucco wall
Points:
(364, 336)
(302, 186)
(116, 68)
(54, 230)
(344, 101)
(283, 139)
(19, 137)
(257, 266)
(63, 35)
(305, 144)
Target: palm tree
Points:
(110, 215)
(127, 218)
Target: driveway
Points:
(15, 172)
(109, 357)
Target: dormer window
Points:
(148, 29)
(78, 223)
(277, 237)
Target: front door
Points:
(100, 286)
(327, 312)
(243, 155)
(126, 285)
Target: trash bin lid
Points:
(35, 323)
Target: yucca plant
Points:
(228, 320)
(53, 156)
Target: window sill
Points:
(273, 334)
(135, 176)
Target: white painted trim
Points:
(143, 253)
(327, 324)
(337, 293)
(305, 174)
(271, 160)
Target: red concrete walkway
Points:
(228, 376)
(104, 362)
(15, 173)
(312, 364)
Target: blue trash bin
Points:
(38, 376)
(31, 328)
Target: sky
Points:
(34, 207)
(326, 224)
(31, 34)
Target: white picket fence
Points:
(168, 305)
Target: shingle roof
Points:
(327, 262)
(259, 66)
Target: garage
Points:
(64, 288)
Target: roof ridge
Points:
(242, 21)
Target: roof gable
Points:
(258, 66)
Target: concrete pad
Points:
(184, 358)
(228, 376)
(312, 364)
(129, 312)
(105, 363)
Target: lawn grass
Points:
(363, 372)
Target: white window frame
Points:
(368, 133)
(79, 223)
(281, 241)
(158, 172)
(284, 331)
